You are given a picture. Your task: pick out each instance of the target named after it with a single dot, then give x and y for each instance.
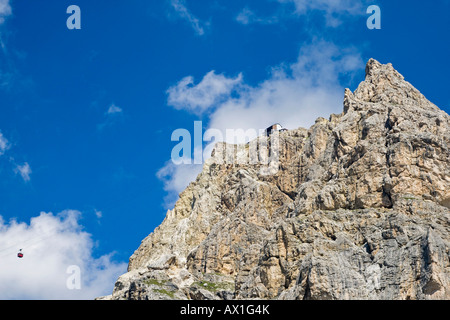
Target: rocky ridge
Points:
(358, 208)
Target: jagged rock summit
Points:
(359, 208)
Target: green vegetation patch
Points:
(214, 287)
(167, 293)
(155, 282)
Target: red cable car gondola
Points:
(20, 254)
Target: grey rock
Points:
(359, 208)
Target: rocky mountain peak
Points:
(384, 84)
(373, 68)
(358, 208)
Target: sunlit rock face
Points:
(357, 208)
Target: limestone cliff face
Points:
(358, 208)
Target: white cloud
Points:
(98, 214)
(199, 98)
(113, 109)
(294, 95)
(333, 10)
(112, 115)
(247, 16)
(5, 10)
(182, 11)
(176, 178)
(24, 170)
(4, 144)
(51, 244)
(7, 74)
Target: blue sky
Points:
(86, 116)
